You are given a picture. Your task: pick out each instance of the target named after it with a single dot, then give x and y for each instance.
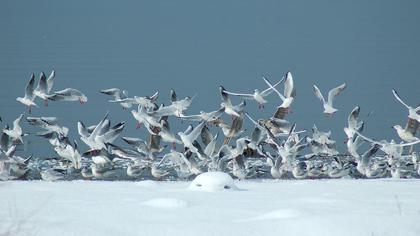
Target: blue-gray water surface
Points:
(195, 46)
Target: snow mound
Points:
(165, 203)
(213, 181)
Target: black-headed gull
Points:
(28, 99)
(190, 135)
(117, 94)
(204, 116)
(146, 101)
(413, 113)
(353, 123)
(16, 133)
(289, 90)
(328, 104)
(70, 95)
(44, 87)
(258, 95)
(230, 109)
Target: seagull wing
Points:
(352, 119)
(273, 88)
(334, 92)
(29, 90)
(270, 89)
(50, 81)
(42, 83)
(397, 96)
(318, 94)
(288, 85)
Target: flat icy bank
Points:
(307, 207)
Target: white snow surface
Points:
(213, 181)
(261, 207)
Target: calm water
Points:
(194, 46)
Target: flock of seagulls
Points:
(275, 148)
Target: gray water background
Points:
(195, 46)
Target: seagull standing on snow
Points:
(258, 95)
(44, 86)
(28, 99)
(118, 95)
(328, 105)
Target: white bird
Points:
(49, 124)
(69, 94)
(175, 109)
(28, 99)
(328, 105)
(189, 136)
(204, 116)
(118, 95)
(389, 148)
(166, 134)
(353, 124)
(44, 87)
(71, 154)
(230, 109)
(289, 92)
(100, 135)
(408, 133)
(143, 117)
(146, 101)
(16, 133)
(258, 95)
(413, 113)
(277, 170)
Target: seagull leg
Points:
(174, 146)
(30, 109)
(46, 102)
(138, 125)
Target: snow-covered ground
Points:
(286, 207)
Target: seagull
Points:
(258, 95)
(277, 170)
(204, 116)
(233, 130)
(118, 95)
(70, 153)
(227, 104)
(190, 135)
(166, 134)
(69, 94)
(44, 86)
(143, 117)
(28, 99)
(289, 91)
(101, 135)
(353, 125)
(143, 101)
(145, 148)
(328, 105)
(363, 163)
(16, 133)
(49, 124)
(175, 109)
(408, 133)
(413, 113)
(389, 148)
